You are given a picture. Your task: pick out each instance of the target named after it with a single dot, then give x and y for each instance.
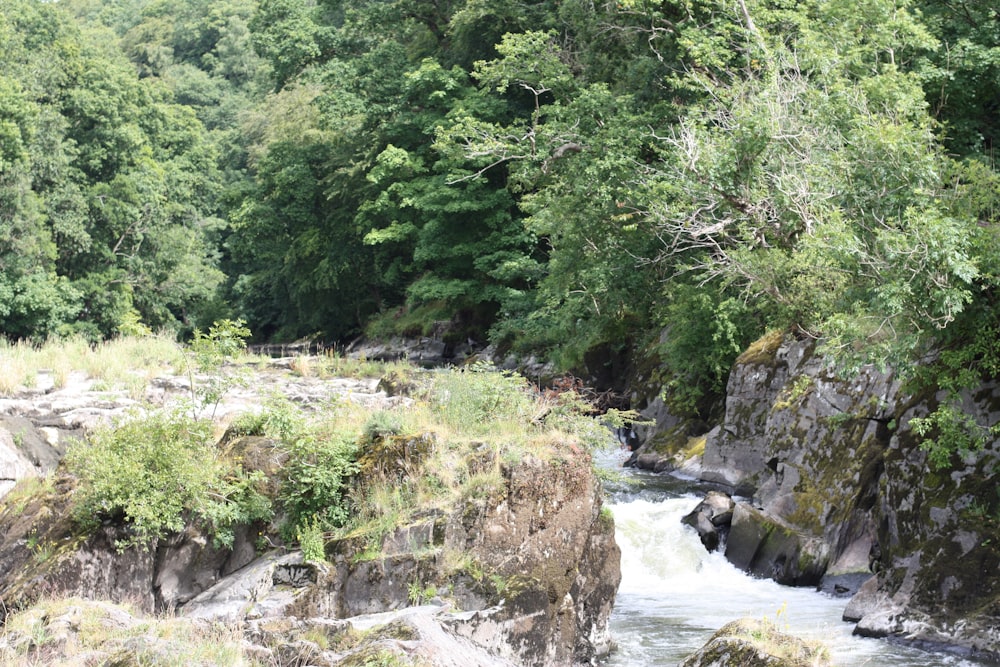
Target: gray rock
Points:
(866, 601)
(764, 546)
(711, 518)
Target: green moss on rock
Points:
(761, 352)
(757, 643)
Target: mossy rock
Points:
(398, 382)
(394, 456)
(757, 643)
(763, 546)
(763, 350)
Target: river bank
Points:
(674, 594)
(843, 480)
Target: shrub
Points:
(280, 419)
(315, 480)
(209, 352)
(312, 541)
(381, 425)
(151, 471)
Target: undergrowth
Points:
(345, 471)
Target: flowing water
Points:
(674, 594)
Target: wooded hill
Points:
(556, 175)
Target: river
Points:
(674, 594)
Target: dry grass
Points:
(451, 446)
(74, 631)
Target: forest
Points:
(552, 176)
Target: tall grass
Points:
(121, 363)
(451, 446)
(37, 636)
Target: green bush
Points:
(381, 425)
(315, 480)
(954, 432)
(153, 471)
(311, 541)
(706, 333)
(279, 418)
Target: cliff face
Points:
(835, 484)
(939, 532)
(809, 448)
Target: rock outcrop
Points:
(550, 555)
(521, 571)
(755, 643)
(833, 484)
(529, 572)
(712, 518)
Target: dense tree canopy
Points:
(558, 177)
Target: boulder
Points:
(711, 518)
(756, 643)
(867, 600)
(765, 546)
(26, 451)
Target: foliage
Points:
(315, 480)
(560, 177)
(209, 353)
(107, 191)
(419, 594)
(380, 425)
(278, 418)
(311, 541)
(151, 472)
(949, 431)
(705, 332)
(477, 397)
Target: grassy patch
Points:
(71, 631)
(762, 350)
(121, 363)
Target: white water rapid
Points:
(674, 594)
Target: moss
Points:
(376, 656)
(676, 441)
(761, 351)
(606, 520)
(792, 393)
(390, 456)
(695, 446)
(759, 642)
(810, 508)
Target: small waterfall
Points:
(674, 594)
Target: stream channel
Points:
(674, 595)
